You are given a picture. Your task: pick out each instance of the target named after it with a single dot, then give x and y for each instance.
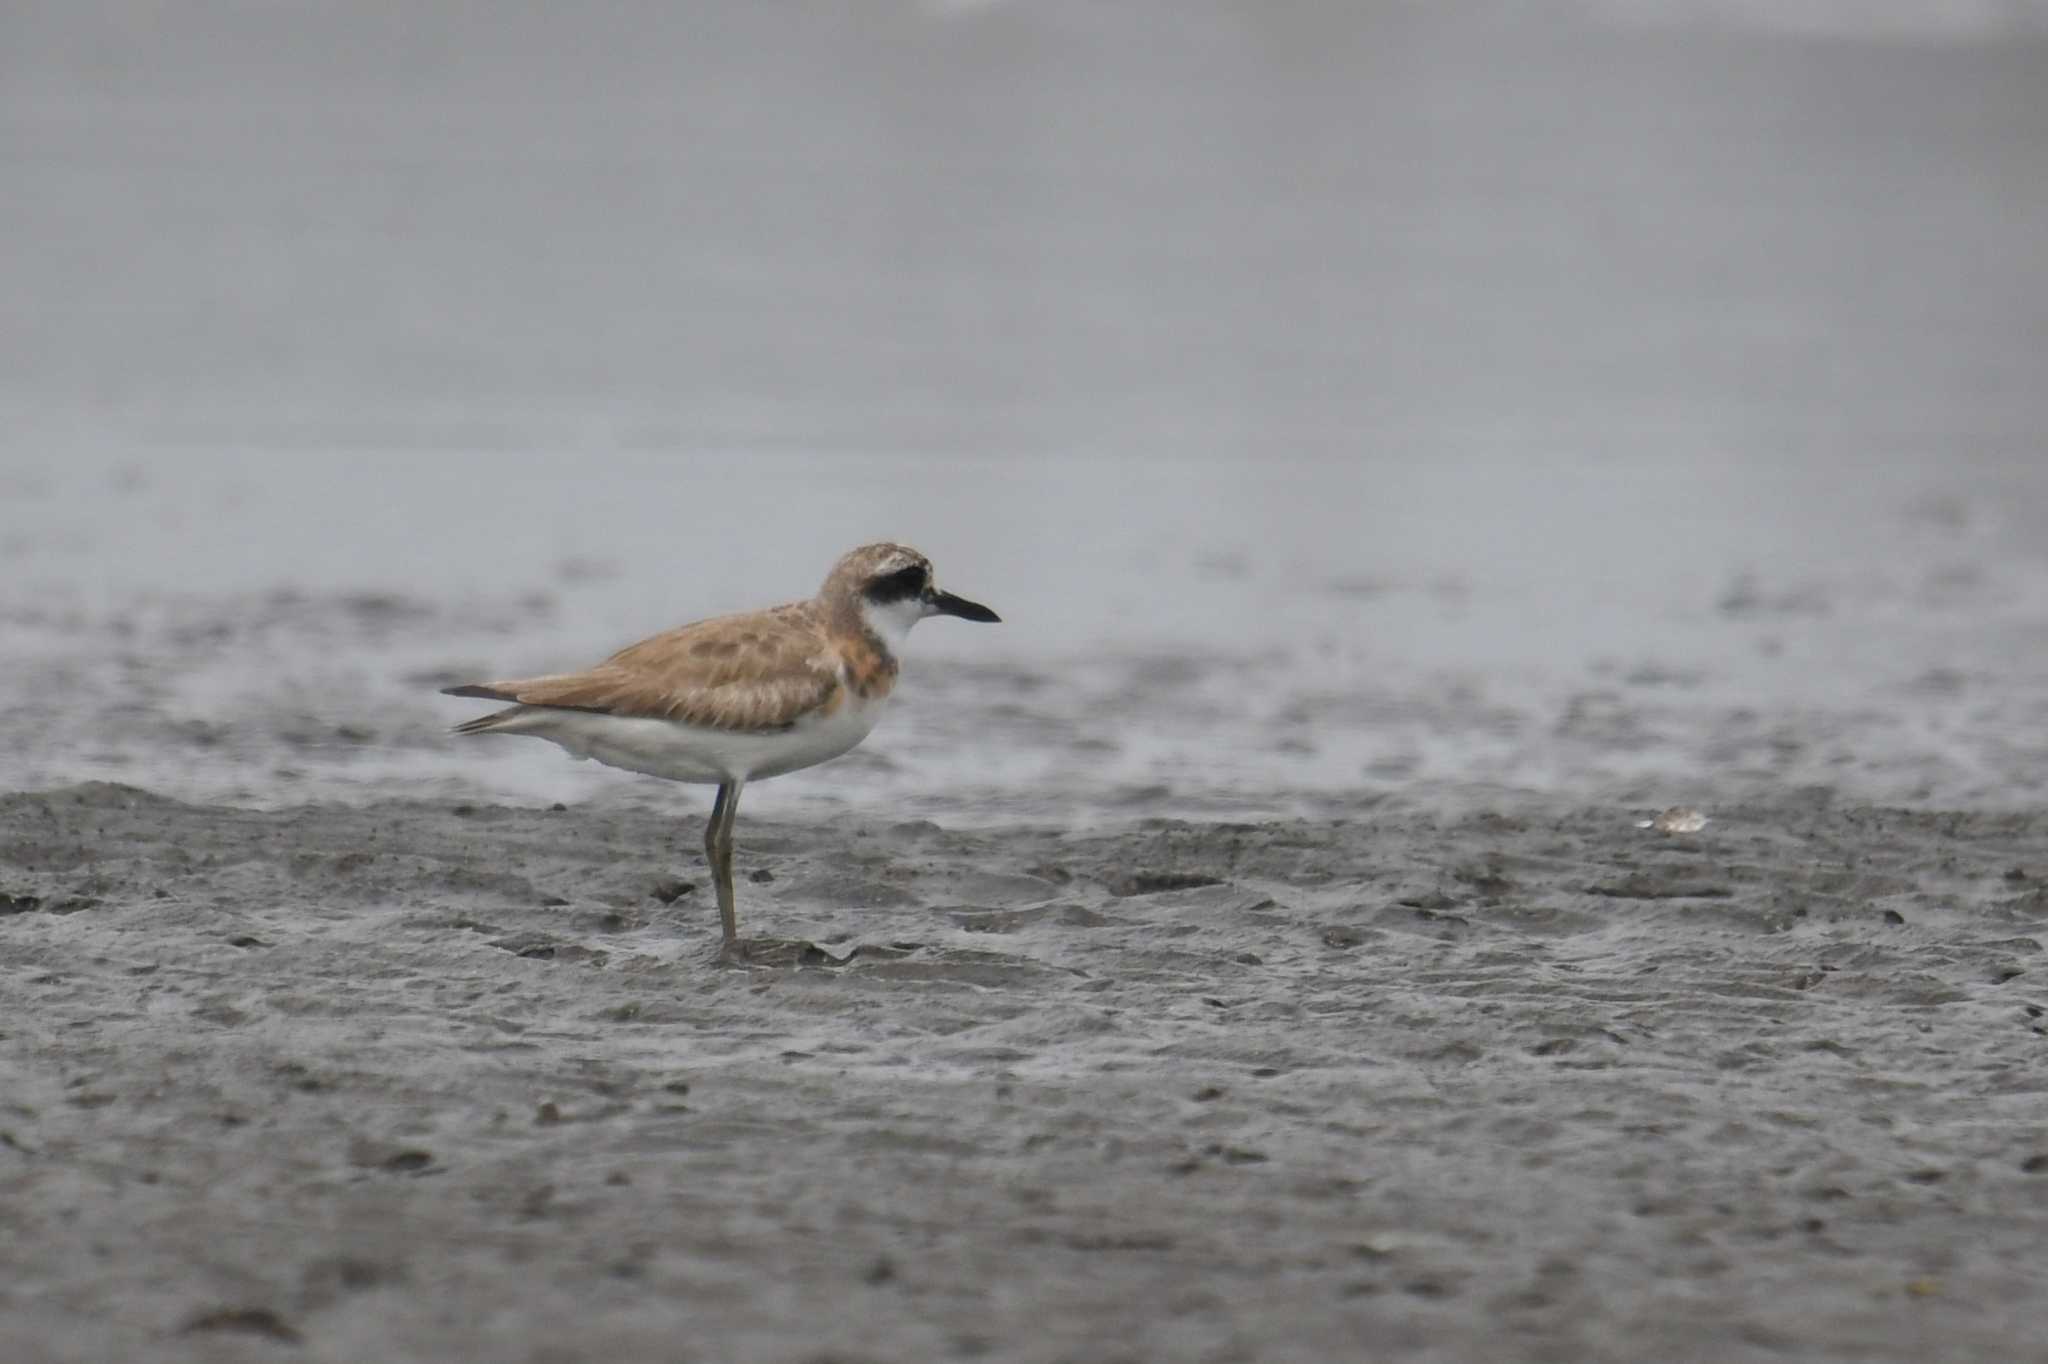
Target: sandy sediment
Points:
(422, 1081)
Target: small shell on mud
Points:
(1679, 819)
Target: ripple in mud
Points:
(1125, 885)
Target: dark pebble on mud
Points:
(256, 1321)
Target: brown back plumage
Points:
(760, 671)
(764, 670)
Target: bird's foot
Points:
(778, 952)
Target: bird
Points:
(740, 698)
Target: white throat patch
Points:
(892, 621)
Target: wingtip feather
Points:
(483, 691)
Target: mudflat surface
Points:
(422, 1081)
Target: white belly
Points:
(681, 752)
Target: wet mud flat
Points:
(421, 1081)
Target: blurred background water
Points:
(1344, 403)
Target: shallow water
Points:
(1200, 636)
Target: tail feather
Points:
(484, 724)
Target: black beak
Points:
(946, 604)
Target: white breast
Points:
(684, 752)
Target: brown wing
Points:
(763, 671)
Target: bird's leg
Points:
(750, 951)
(718, 854)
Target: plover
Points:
(738, 698)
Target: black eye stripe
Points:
(904, 582)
